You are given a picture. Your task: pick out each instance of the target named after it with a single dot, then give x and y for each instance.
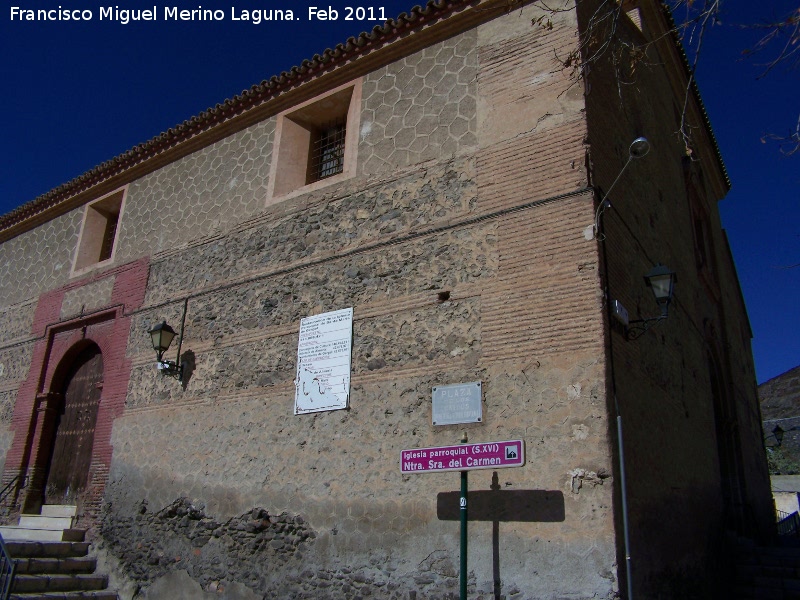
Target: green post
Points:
(463, 505)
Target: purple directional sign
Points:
(463, 457)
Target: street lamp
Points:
(778, 433)
(161, 336)
(638, 149)
(661, 281)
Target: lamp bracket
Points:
(171, 369)
(639, 327)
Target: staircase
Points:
(51, 558)
(767, 573)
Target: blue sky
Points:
(78, 93)
(761, 213)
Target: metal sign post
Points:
(463, 458)
(463, 506)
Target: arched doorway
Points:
(73, 438)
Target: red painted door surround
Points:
(59, 346)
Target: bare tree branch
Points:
(787, 32)
(693, 19)
(789, 144)
(698, 17)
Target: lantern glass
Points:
(778, 433)
(662, 282)
(161, 336)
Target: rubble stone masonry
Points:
(458, 240)
(463, 261)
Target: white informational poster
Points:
(323, 362)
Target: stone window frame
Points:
(99, 236)
(295, 131)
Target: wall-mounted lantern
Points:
(778, 433)
(162, 336)
(661, 281)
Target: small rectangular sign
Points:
(457, 403)
(463, 457)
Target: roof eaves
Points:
(673, 28)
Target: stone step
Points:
(767, 573)
(41, 522)
(58, 583)
(35, 566)
(33, 549)
(17, 533)
(59, 510)
(87, 595)
(58, 570)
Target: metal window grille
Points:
(327, 151)
(109, 234)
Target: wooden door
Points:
(72, 446)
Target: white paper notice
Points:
(323, 362)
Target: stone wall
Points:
(421, 108)
(405, 205)
(15, 363)
(17, 322)
(676, 421)
(339, 472)
(87, 298)
(780, 407)
(246, 548)
(7, 401)
(462, 263)
(38, 260)
(210, 190)
(458, 243)
(780, 396)
(227, 437)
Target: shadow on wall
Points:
(496, 505)
(189, 365)
(530, 506)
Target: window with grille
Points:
(109, 235)
(312, 141)
(327, 151)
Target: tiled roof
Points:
(258, 94)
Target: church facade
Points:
(473, 211)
